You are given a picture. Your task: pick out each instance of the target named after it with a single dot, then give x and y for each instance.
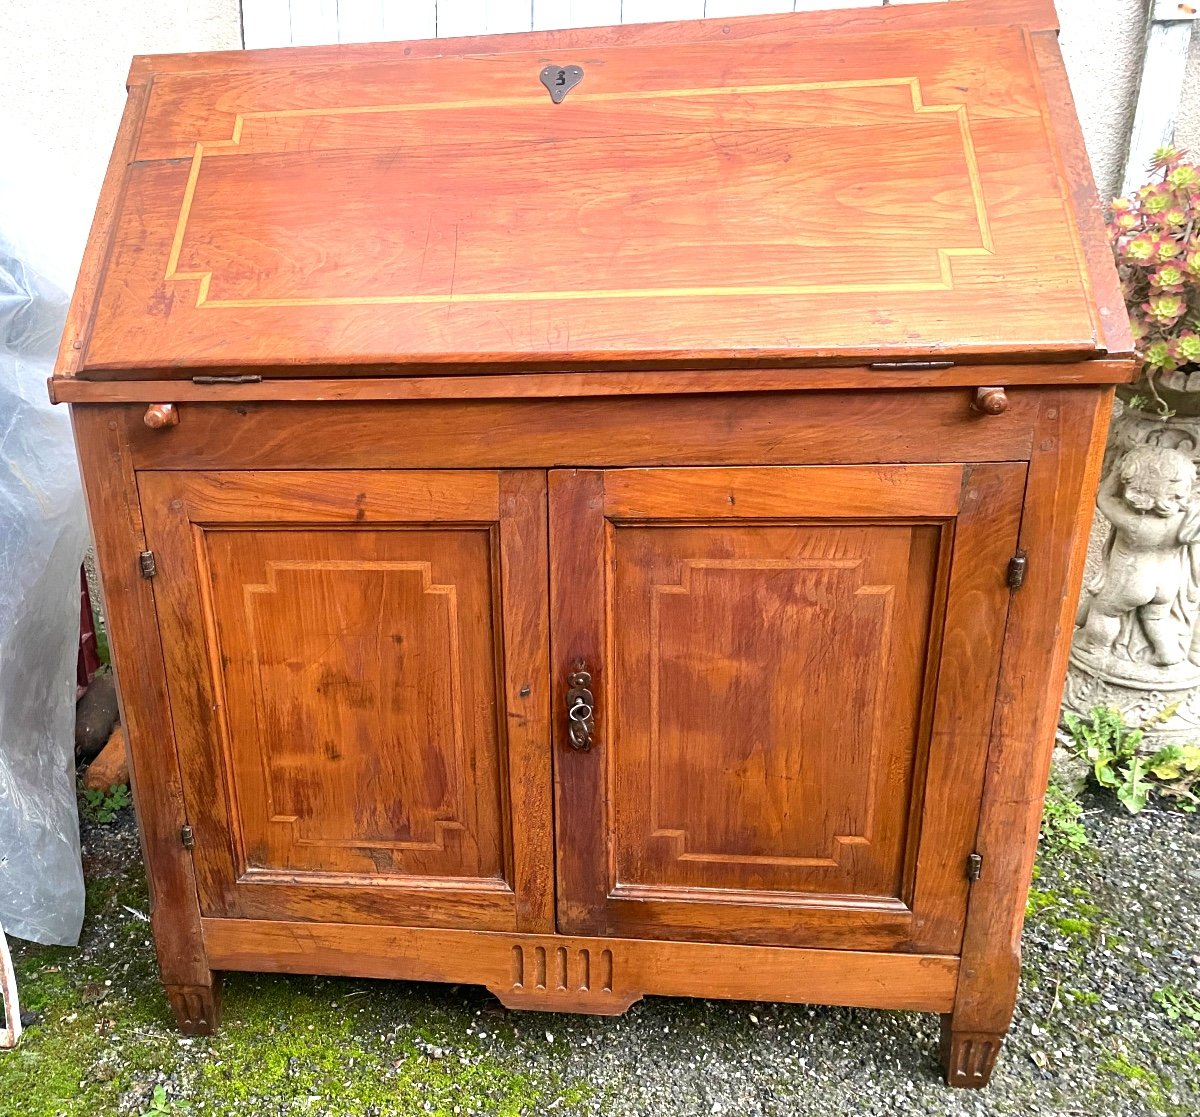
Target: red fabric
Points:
(89, 657)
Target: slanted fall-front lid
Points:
(780, 199)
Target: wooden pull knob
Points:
(161, 415)
(990, 401)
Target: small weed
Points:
(103, 806)
(1073, 927)
(102, 649)
(1179, 769)
(1061, 828)
(1114, 750)
(1181, 1007)
(162, 1106)
(1039, 900)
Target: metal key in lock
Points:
(580, 710)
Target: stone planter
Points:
(1137, 637)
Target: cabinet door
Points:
(794, 671)
(357, 673)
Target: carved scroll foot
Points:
(968, 1057)
(197, 1007)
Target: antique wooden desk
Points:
(613, 543)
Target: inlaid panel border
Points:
(449, 596)
(231, 146)
(685, 587)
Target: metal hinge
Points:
(187, 837)
(244, 378)
(147, 565)
(1018, 566)
(974, 867)
(910, 366)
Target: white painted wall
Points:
(1187, 129)
(62, 88)
(63, 64)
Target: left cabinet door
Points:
(357, 672)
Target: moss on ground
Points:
(1106, 1024)
(1071, 920)
(102, 1038)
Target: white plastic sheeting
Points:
(43, 536)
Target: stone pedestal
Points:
(1137, 640)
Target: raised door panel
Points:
(354, 664)
(776, 755)
(793, 672)
(364, 739)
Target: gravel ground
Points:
(1110, 927)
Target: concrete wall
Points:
(62, 88)
(1102, 43)
(64, 62)
(1187, 130)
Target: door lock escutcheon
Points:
(581, 708)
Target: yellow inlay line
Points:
(189, 192)
(945, 282)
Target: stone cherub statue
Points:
(1138, 614)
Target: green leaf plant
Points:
(1120, 764)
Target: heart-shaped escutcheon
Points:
(560, 80)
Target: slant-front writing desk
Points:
(599, 513)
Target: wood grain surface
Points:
(407, 212)
(543, 385)
(634, 967)
(790, 428)
(137, 655)
(526, 388)
(1063, 475)
(355, 697)
(1038, 15)
(772, 762)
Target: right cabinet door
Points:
(793, 673)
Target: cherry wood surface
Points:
(135, 643)
(328, 215)
(736, 805)
(665, 514)
(1074, 167)
(1063, 475)
(938, 15)
(559, 973)
(354, 693)
(526, 388)
(788, 428)
(541, 385)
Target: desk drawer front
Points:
(768, 428)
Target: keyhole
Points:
(562, 78)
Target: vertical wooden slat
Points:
(360, 21)
(266, 23)
(412, 19)
(825, 5)
(1059, 502)
(720, 8)
(577, 579)
(1168, 41)
(116, 520)
(659, 11)
(482, 17)
(314, 22)
(524, 562)
(551, 14)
